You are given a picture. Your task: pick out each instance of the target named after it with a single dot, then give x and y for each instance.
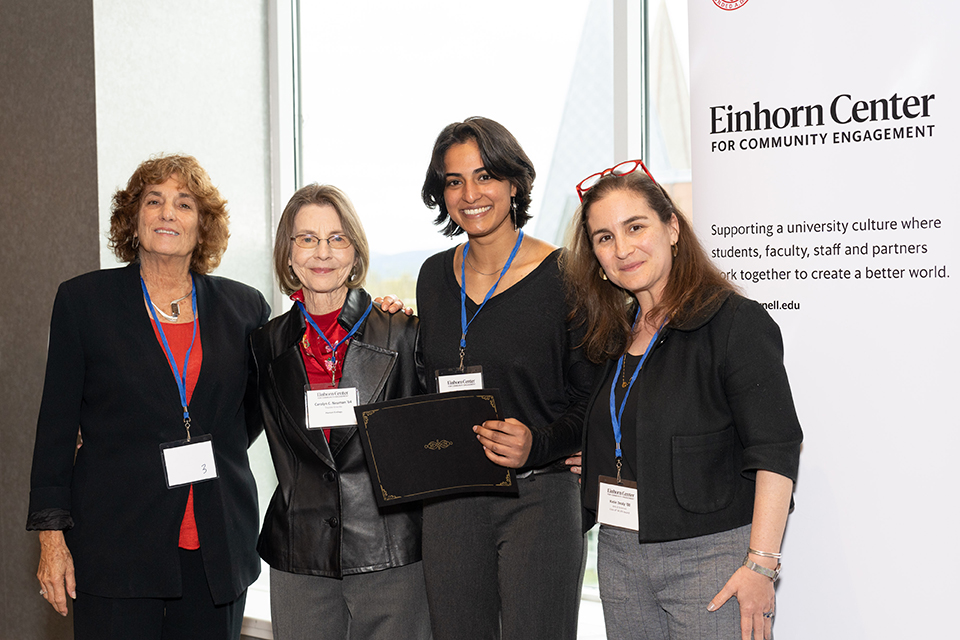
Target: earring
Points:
(674, 249)
(603, 274)
(513, 206)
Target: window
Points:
(668, 81)
(378, 85)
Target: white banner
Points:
(825, 141)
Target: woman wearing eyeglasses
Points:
(339, 566)
(692, 442)
(502, 566)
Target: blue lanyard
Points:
(464, 325)
(181, 378)
(333, 347)
(617, 415)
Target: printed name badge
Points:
(188, 462)
(459, 379)
(331, 407)
(617, 504)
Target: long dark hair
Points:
(503, 158)
(694, 284)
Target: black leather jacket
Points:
(323, 518)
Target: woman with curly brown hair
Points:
(151, 525)
(692, 442)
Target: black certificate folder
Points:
(425, 447)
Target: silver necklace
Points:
(174, 308)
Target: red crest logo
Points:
(730, 5)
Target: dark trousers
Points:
(504, 567)
(191, 616)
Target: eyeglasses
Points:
(620, 170)
(310, 241)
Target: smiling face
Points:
(322, 271)
(167, 225)
(474, 199)
(632, 245)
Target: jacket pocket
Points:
(703, 470)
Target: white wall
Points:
(189, 77)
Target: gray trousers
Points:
(503, 567)
(660, 591)
(382, 605)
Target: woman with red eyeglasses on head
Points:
(692, 442)
(500, 566)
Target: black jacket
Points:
(713, 407)
(323, 518)
(108, 375)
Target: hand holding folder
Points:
(425, 446)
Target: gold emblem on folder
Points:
(437, 445)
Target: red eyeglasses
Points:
(620, 170)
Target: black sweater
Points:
(523, 342)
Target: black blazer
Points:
(323, 518)
(108, 375)
(713, 407)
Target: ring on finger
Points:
(43, 592)
(769, 615)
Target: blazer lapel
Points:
(288, 377)
(210, 338)
(367, 368)
(156, 368)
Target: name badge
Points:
(465, 379)
(188, 462)
(617, 504)
(329, 408)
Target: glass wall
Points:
(668, 83)
(378, 84)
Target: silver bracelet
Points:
(773, 574)
(763, 554)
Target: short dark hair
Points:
(503, 158)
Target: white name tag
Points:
(328, 408)
(617, 504)
(456, 380)
(188, 462)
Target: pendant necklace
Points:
(174, 308)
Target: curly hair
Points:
(319, 194)
(213, 218)
(694, 283)
(503, 158)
